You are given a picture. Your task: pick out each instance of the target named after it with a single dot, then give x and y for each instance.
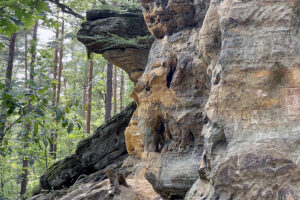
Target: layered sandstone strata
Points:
(221, 93)
(120, 35)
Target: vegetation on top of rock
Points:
(122, 10)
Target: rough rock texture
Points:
(92, 154)
(253, 108)
(121, 37)
(219, 99)
(92, 189)
(218, 103)
(167, 17)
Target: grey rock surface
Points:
(121, 36)
(105, 147)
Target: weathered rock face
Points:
(218, 103)
(171, 95)
(91, 189)
(253, 108)
(92, 154)
(121, 37)
(169, 16)
(220, 91)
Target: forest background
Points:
(53, 93)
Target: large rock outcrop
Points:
(218, 102)
(105, 147)
(219, 99)
(254, 104)
(121, 36)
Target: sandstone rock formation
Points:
(120, 36)
(92, 154)
(221, 92)
(218, 112)
(254, 104)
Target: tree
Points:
(17, 15)
(53, 132)
(108, 91)
(115, 89)
(53, 145)
(25, 163)
(7, 85)
(121, 90)
(84, 91)
(90, 86)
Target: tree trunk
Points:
(2, 183)
(25, 164)
(108, 91)
(60, 61)
(55, 65)
(8, 76)
(61, 51)
(26, 60)
(24, 176)
(84, 91)
(115, 90)
(121, 91)
(90, 90)
(54, 86)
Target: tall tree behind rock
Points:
(121, 90)
(3, 116)
(25, 163)
(60, 69)
(61, 49)
(115, 89)
(108, 91)
(53, 132)
(26, 59)
(90, 90)
(84, 91)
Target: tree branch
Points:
(66, 9)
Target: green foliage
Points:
(17, 15)
(65, 119)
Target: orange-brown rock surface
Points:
(219, 99)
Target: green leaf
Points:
(35, 128)
(65, 123)
(31, 161)
(67, 109)
(40, 112)
(70, 127)
(78, 126)
(1, 46)
(2, 153)
(45, 142)
(59, 114)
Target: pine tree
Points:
(108, 91)
(90, 90)
(25, 163)
(8, 76)
(115, 90)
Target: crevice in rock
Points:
(175, 197)
(159, 130)
(191, 137)
(172, 68)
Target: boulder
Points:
(105, 147)
(121, 36)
